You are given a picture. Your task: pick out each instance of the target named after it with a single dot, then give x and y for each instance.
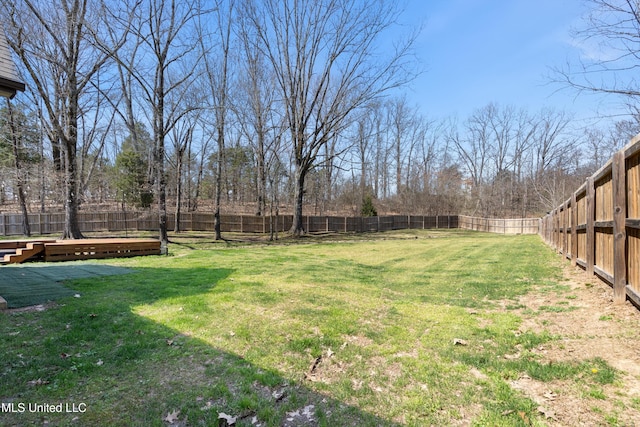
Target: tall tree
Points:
(364, 139)
(216, 64)
(324, 58)
(255, 106)
(182, 136)
(13, 130)
(162, 67)
(57, 44)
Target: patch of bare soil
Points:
(30, 309)
(592, 326)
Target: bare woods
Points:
(169, 106)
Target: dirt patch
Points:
(588, 325)
(30, 309)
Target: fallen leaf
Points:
(306, 414)
(314, 365)
(310, 377)
(278, 394)
(458, 341)
(172, 417)
(524, 417)
(64, 355)
(227, 420)
(330, 353)
(548, 413)
(207, 406)
(37, 382)
(508, 412)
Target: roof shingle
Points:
(10, 81)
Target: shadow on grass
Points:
(94, 355)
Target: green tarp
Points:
(24, 285)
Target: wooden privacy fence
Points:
(500, 226)
(598, 228)
(53, 223)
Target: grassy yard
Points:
(405, 328)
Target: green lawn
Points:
(398, 329)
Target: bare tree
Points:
(322, 54)
(610, 51)
(255, 107)
(182, 136)
(364, 143)
(400, 122)
(217, 73)
(57, 45)
(473, 149)
(14, 136)
(553, 158)
(550, 143)
(162, 69)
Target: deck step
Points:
(23, 254)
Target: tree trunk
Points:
(71, 227)
(162, 194)
(262, 176)
(296, 227)
(26, 228)
(216, 213)
(176, 226)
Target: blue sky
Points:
(481, 51)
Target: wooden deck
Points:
(17, 251)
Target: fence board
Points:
(501, 226)
(603, 226)
(53, 223)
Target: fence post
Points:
(618, 170)
(574, 230)
(4, 224)
(591, 231)
(566, 223)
